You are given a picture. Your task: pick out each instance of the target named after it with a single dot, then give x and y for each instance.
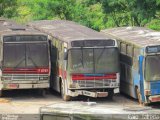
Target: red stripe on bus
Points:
(155, 99)
(83, 77)
(26, 71)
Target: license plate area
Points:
(95, 94)
(102, 94)
(87, 93)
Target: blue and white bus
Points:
(140, 62)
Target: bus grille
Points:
(24, 77)
(96, 83)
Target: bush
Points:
(154, 24)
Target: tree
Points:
(8, 8)
(96, 14)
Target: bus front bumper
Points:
(155, 98)
(88, 93)
(9, 86)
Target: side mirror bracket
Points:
(65, 54)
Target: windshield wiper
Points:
(34, 63)
(81, 59)
(19, 63)
(28, 57)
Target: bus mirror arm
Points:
(65, 56)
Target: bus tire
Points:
(63, 94)
(42, 92)
(139, 96)
(1, 93)
(110, 94)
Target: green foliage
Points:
(96, 14)
(154, 24)
(8, 8)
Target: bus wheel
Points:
(138, 96)
(1, 93)
(63, 94)
(110, 94)
(42, 92)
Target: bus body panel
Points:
(143, 46)
(136, 81)
(141, 68)
(155, 88)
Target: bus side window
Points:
(123, 48)
(129, 67)
(118, 43)
(56, 45)
(53, 52)
(129, 50)
(1, 55)
(122, 58)
(60, 46)
(136, 53)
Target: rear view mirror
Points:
(65, 54)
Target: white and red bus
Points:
(24, 58)
(84, 61)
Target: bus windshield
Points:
(152, 69)
(22, 55)
(106, 60)
(93, 60)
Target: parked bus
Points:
(140, 62)
(24, 58)
(86, 62)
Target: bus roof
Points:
(139, 36)
(66, 30)
(8, 27)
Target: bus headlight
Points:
(74, 85)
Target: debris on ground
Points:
(3, 100)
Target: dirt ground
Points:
(29, 101)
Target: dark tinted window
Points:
(152, 68)
(24, 38)
(106, 60)
(97, 60)
(25, 55)
(37, 54)
(81, 60)
(14, 55)
(92, 43)
(77, 44)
